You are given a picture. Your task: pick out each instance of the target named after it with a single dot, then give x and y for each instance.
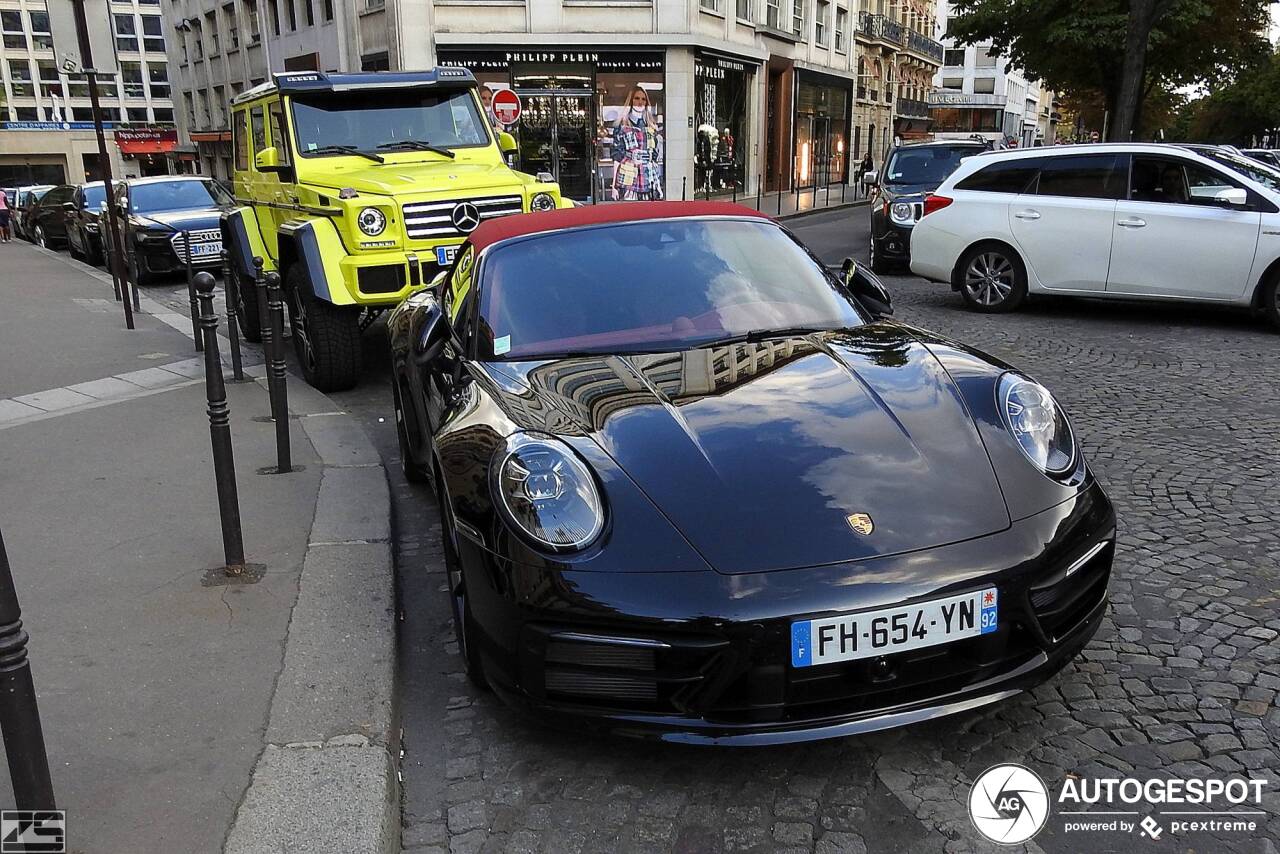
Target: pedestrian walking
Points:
(4, 217)
(863, 168)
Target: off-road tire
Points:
(247, 314)
(326, 337)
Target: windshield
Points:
(176, 196)
(926, 164)
(369, 120)
(652, 285)
(1267, 176)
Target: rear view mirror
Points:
(1235, 197)
(267, 160)
(432, 334)
(867, 288)
(507, 145)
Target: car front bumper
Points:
(704, 657)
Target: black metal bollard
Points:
(275, 373)
(19, 713)
(231, 289)
(260, 294)
(191, 292)
(224, 465)
(759, 191)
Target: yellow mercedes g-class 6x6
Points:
(358, 188)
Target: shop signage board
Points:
(146, 140)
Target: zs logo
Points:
(33, 832)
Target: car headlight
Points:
(1038, 424)
(547, 492)
(900, 212)
(371, 221)
(543, 202)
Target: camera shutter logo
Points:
(33, 831)
(1009, 804)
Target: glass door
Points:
(574, 148)
(537, 134)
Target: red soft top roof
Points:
(507, 227)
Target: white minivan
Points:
(1132, 221)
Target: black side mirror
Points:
(432, 334)
(867, 288)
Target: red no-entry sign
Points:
(506, 106)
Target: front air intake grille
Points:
(603, 686)
(381, 279)
(453, 218)
(600, 655)
(206, 246)
(1068, 598)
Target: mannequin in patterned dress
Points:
(637, 151)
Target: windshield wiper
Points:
(755, 336)
(419, 145)
(347, 149)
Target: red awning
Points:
(146, 140)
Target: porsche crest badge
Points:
(861, 523)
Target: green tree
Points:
(1124, 50)
(1240, 112)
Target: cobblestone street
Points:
(1179, 418)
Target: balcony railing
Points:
(924, 46)
(879, 28)
(907, 108)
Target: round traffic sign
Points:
(506, 106)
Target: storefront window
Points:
(822, 134)
(722, 93)
(576, 119)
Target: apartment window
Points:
(49, 82)
(953, 84)
(202, 109)
(822, 23)
(198, 35)
(328, 10)
(375, 62)
(375, 4)
(40, 36)
(274, 7)
(77, 87)
(797, 17)
(255, 25)
(233, 31)
(126, 33)
(842, 28)
(131, 74)
(137, 114)
(953, 57)
(309, 6)
(984, 85)
(773, 14)
(744, 10)
(153, 33)
(190, 104)
(81, 114)
(20, 79)
(293, 15)
(164, 115)
(986, 58)
(182, 45)
(158, 75)
(26, 114)
(710, 5)
(11, 25)
(211, 24)
(217, 110)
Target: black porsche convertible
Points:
(693, 484)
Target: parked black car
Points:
(897, 199)
(84, 238)
(728, 501)
(25, 200)
(159, 210)
(48, 219)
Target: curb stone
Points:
(326, 778)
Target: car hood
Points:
(193, 220)
(898, 191)
(759, 454)
(415, 177)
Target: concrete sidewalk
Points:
(183, 713)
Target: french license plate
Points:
(889, 630)
(204, 250)
(445, 255)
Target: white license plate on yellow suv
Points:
(867, 634)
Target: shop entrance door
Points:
(822, 150)
(555, 137)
